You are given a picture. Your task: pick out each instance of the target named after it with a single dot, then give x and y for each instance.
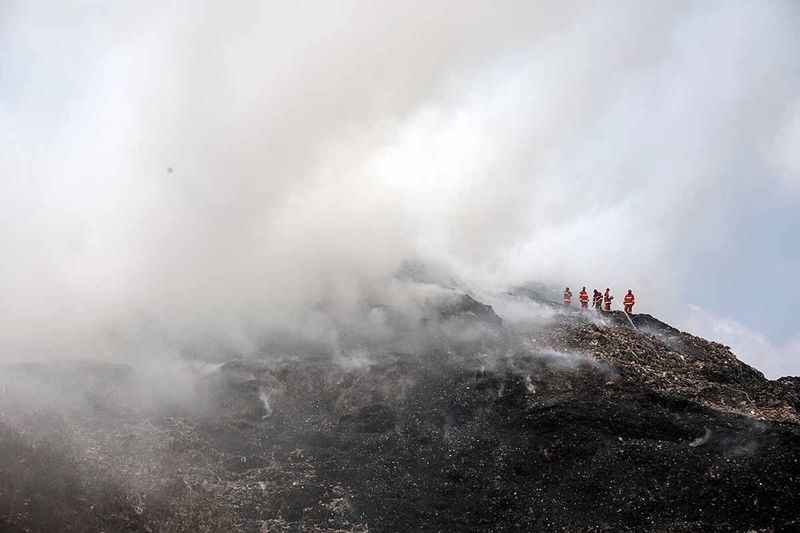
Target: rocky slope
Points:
(577, 423)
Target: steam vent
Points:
(579, 423)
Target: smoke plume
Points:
(195, 173)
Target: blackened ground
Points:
(581, 424)
(532, 445)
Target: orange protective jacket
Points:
(630, 298)
(584, 296)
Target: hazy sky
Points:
(314, 146)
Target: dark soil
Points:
(580, 424)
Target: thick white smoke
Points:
(196, 171)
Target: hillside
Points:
(578, 423)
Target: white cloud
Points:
(748, 345)
(784, 150)
(315, 147)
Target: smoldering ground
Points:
(165, 377)
(487, 413)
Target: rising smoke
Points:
(195, 173)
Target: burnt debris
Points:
(577, 424)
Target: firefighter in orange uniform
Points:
(597, 299)
(567, 297)
(630, 299)
(584, 299)
(607, 299)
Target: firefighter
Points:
(607, 299)
(567, 297)
(630, 299)
(584, 299)
(597, 299)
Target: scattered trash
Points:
(412, 440)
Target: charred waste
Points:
(578, 422)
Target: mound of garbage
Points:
(583, 422)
